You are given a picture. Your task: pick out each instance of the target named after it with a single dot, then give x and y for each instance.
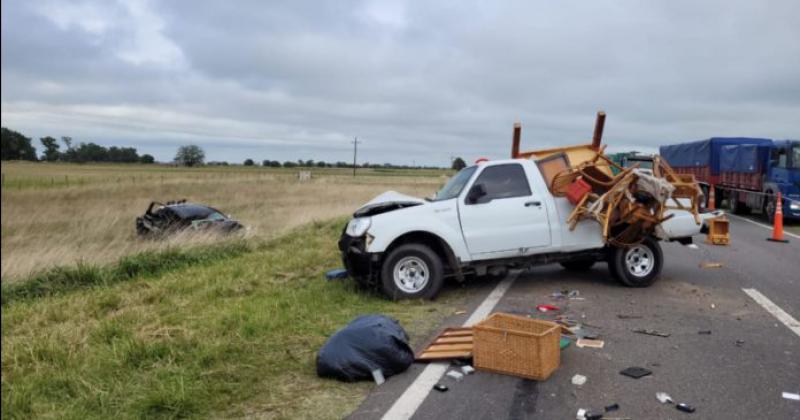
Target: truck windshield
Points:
(454, 186)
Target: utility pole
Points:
(355, 153)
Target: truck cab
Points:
(783, 174)
(487, 218)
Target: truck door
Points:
(500, 214)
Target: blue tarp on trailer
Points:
(704, 152)
(743, 158)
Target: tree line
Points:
(16, 146)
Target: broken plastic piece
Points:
(612, 407)
(692, 246)
(636, 372)
(455, 375)
(739, 343)
(468, 370)
(564, 343)
(578, 380)
(791, 396)
(585, 342)
(663, 398)
(547, 308)
(581, 414)
(377, 375)
(686, 408)
(440, 388)
(335, 274)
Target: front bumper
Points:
(361, 265)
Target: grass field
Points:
(56, 214)
(195, 326)
(235, 337)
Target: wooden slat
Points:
(445, 355)
(449, 347)
(453, 340)
(456, 333)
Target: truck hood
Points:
(386, 202)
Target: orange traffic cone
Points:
(777, 226)
(711, 198)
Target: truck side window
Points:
(779, 158)
(504, 181)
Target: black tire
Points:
(623, 263)
(735, 206)
(577, 265)
(418, 260)
(769, 208)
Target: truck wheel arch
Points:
(436, 243)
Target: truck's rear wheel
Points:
(577, 265)
(412, 271)
(637, 265)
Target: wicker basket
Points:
(518, 346)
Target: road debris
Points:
(578, 380)
(467, 369)
(547, 308)
(791, 396)
(455, 375)
(626, 316)
(663, 398)
(460, 312)
(585, 342)
(581, 414)
(692, 246)
(534, 344)
(704, 332)
(563, 343)
(440, 387)
(739, 343)
(612, 407)
(336, 274)
(636, 372)
(686, 408)
(651, 332)
(710, 265)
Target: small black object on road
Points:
(440, 387)
(635, 372)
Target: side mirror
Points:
(475, 193)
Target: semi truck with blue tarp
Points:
(745, 173)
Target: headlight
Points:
(795, 205)
(358, 226)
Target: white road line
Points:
(415, 394)
(775, 310)
(762, 225)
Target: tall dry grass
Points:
(46, 223)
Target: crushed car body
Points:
(175, 216)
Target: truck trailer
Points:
(744, 173)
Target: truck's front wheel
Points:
(637, 265)
(412, 271)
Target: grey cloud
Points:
(414, 80)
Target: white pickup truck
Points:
(486, 219)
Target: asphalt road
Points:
(738, 371)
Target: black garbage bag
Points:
(367, 343)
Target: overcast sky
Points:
(415, 81)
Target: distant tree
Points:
(459, 164)
(249, 162)
(51, 146)
(265, 162)
(15, 146)
(190, 155)
(289, 164)
(145, 158)
(321, 164)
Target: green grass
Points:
(235, 336)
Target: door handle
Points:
(533, 203)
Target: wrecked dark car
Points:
(176, 216)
